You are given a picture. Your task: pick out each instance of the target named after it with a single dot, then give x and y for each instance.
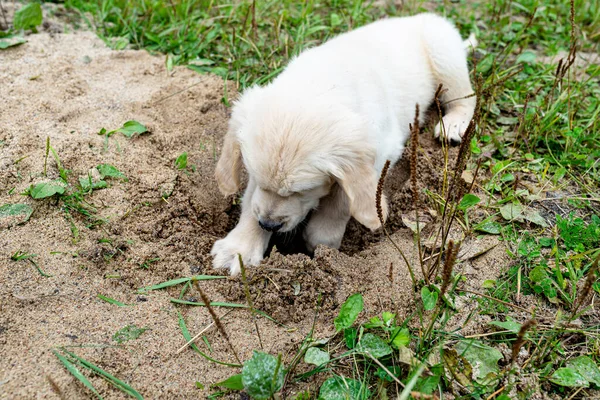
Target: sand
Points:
(67, 87)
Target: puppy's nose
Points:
(271, 226)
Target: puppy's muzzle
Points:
(270, 226)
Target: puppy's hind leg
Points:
(328, 223)
(447, 55)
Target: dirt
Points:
(159, 225)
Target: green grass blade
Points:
(213, 303)
(111, 301)
(188, 337)
(178, 281)
(119, 384)
(76, 373)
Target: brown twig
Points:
(217, 321)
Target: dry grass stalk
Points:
(587, 287)
(414, 174)
(521, 339)
(249, 299)
(379, 192)
(378, 196)
(217, 320)
(451, 254)
(391, 273)
(55, 388)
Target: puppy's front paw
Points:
(454, 127)
(225, 253)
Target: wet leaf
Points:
(508, 325)
(339, 388)
(316, 356)
(374, 345)
(587, 368)
(491, 227)
(262, 376)
(568, 377)
(11, 41)
(349, 312)
(511, 211)
(15, 214)
(534, 216)
(483, 359)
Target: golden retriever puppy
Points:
(317, 137)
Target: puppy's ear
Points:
(229, 165)
(360, 181)
(228, 168)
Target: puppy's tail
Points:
(471, 42)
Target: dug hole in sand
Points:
(160, 224)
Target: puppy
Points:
(317, 137)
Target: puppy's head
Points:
(295, 151)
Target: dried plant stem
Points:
(378, 196)
(587, 287)
(217, 321)
(249, 300)
(521, 339)
(414, 174)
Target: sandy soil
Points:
(67, 87)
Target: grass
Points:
(537, 132)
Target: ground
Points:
(69, 91)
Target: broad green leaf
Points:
(316, 356)
(374, 345)
(181, 162)
(468, 201)
(587, 368)
(429, 298)
(10, 41)
(388, 318)
(511, 211)
(262, 375)
(130, 128)
(396, 370)
(527, 57)
(47, 189)
(568, 377)
(88, 184)
(491, 227)
(483, 359)
(508, 325)
(350, 337)
(110, 171)
(400, 337)
(534, 216)
(339, 388)
(15, 214)
(130, 332)
(28, 16)
(233, 383)
(349, 312)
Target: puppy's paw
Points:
(225, 253)
(454, 127)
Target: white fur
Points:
(318, 136)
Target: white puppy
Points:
(317, 137)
